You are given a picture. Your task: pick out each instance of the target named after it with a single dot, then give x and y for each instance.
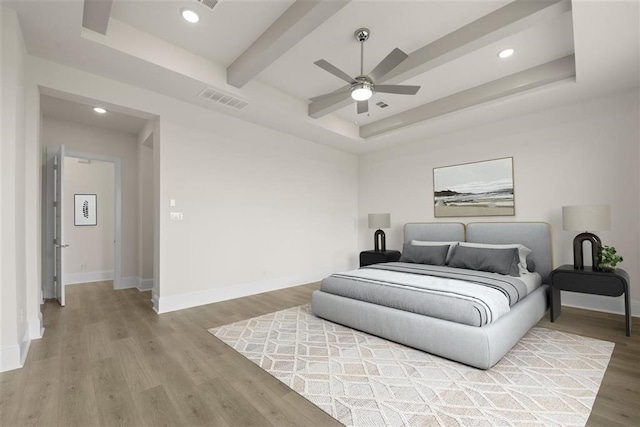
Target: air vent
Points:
(222, 98)
(208, 3)
(382, 104)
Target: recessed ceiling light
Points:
(505, 53)
(99, 110)
(189, 15)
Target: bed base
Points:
(481, 347)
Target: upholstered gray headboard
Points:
(434, 231)
(534, 235)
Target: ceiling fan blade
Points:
(398, 89)
(387, 64)
(332, 96)
(362, 106)
(334, 70)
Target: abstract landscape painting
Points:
(474, 189)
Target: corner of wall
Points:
(36, 327)
(145, 285)
(10, 358)
(127, 283)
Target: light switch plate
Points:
(172, 202)
(175, 216)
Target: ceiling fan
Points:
(363, 86)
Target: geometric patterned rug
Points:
(549, 378)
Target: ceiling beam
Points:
(551, 72)
(506, 21)
(293, 25)
(95, 15)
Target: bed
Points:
(383, 308)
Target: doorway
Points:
(124, 138)
(81, 252)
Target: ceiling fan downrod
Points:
(362, 35)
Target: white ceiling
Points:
(603, 35)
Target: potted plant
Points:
(608, 258)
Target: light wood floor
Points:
(107, 359)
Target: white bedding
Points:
(493, 300)
(464, 296)
(532, 280)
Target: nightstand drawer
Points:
(377, 257)
(597, 284)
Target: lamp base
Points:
(379, 235)
(596, 249)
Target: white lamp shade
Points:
(586, 218)
(379, 220)
(361, 92)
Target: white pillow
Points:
(452, 246)
(523, 251)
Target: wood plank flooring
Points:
(107, 359)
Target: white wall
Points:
(88, 139)
(14, 330)
(89, 256)
(262, 209)
(584, 153)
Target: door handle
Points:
(62, 246)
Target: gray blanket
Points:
(464, 296)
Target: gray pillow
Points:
(432, 255)
(531, 264)
(503, 261)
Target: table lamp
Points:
(586, 218)
(379, 220)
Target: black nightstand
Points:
(588, 281)
(373, 257)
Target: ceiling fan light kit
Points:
(363, 86)
(361, 91)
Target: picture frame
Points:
(85, 209)
(484, 188)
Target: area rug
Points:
(549, 378)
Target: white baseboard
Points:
(127, 283)
(193, 299)
(13, 357)
(10, 358)
(134, 282)
(24, 346)
(88, 276)
(36, 330)
(145, 285)
(599, 303)
(154, 300)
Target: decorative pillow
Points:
(523, 251)
(452, 246)
(531, 265)
(503, 261)
(432, 255)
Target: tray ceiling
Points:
(262, 52)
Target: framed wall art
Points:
(474, 189)
(85, 206)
